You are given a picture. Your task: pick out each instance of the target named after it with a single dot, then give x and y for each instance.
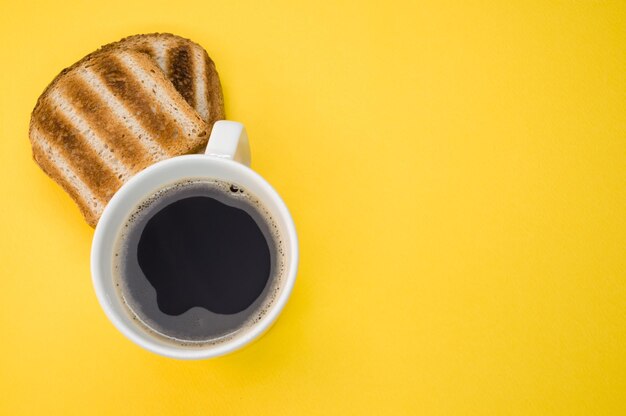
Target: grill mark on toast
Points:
(200, 82)
(71, 144)
(91, 107)
(208, 104)
(95, 82)
(145, 49)
(139, 101)
(167, 96)
(89, 136)
(181, 72)
(59, 168)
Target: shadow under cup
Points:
(145, 184)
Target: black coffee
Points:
(199, 251)
(198, 262)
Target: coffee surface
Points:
(198, 262)
(201, 252)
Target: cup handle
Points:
(229, 140)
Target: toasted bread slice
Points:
(106, 118)
(187, 65)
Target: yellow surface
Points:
(457, 175)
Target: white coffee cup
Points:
(227, 158)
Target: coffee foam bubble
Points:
(127, 274)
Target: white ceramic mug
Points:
(227, 158)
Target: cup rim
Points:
(172, 351)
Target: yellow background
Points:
(457, 174)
